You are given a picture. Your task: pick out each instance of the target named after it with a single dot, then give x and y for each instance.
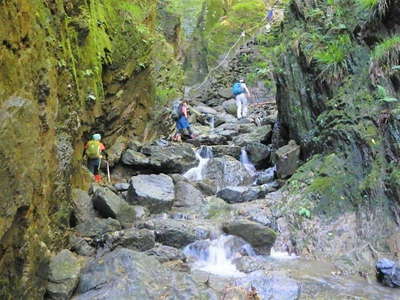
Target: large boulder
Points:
(171, 158)
(97, 227)
(206, 110)
(273, 285)
(230, 107)
(64, 269)
(388, 273)
(135, 159)
(83, 206)
(116, 150)
(260, 134)
(111, 205)
(186, 195)
(224, 118)
(237, 194)
(132, 238)
(258, 154)
(257, 235)
(226, 171)
(287, 159)
(127, 274)
(156, 192)
(178, 233)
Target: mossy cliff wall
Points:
(336, 65)
(67, 69)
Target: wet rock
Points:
(210, 139)
(255, 234)
(287, 159)
(156, 192)
(186, 195)
(230, 107)
(266, 176)
(226, 171)
(83, 206)
(274, 285)
(258, 154)
(165, 253)
(132, 238)
(225, 93)
(97, 226)
(135, 159)
(141, 212)
(177, 233)
(127, 274)
(237, 194)
(115, 151)
(260, 134)
(121, 187)
(64, 271)
(231, 150)
(110, 205)
(171, 158)
(216, 208)
(388, 273)
(81, 246)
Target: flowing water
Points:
(203, 155)
(244, 159)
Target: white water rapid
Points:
(203, 155)
(216, 256)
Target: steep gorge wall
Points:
(68, 69)
(337, 73)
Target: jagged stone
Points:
(132, 238)
(206, 110)
(287, 159)
(266, 176)
(237, 194)
(110, 205)
(135, 159)
(64, 271)
(230, 107)
(116, 150)
(258, 154)
(225, 93)
(81, 246)
(231, 150)
(83, 206)
(186, 195)
(120, 187)
(156, 192)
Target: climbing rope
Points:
(268, 18)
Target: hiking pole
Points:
(108, 171)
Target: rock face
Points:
(187, 195)
(287, 159)
(126, 274)
(255, 234)
(156, 192)
(388, 273)
(226, 171)
(110, 205)
(64, 271)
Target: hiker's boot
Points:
(97, 178)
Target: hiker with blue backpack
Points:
(239, 90)
(181, 114)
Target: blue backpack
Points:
(237, 89)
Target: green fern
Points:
(386, 55)
(383, 95)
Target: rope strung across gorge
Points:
(268, 19)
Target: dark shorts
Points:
(93, 165)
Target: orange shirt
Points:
(102, 147)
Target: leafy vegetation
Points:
(386, 55)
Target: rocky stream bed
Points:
(196, 220)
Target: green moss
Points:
(386, 55)
(368, 4)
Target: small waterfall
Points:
(216, 256)
(282, 255)
(244, 159)
(203, 155)
(212, 122)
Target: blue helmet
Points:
(96, 137)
